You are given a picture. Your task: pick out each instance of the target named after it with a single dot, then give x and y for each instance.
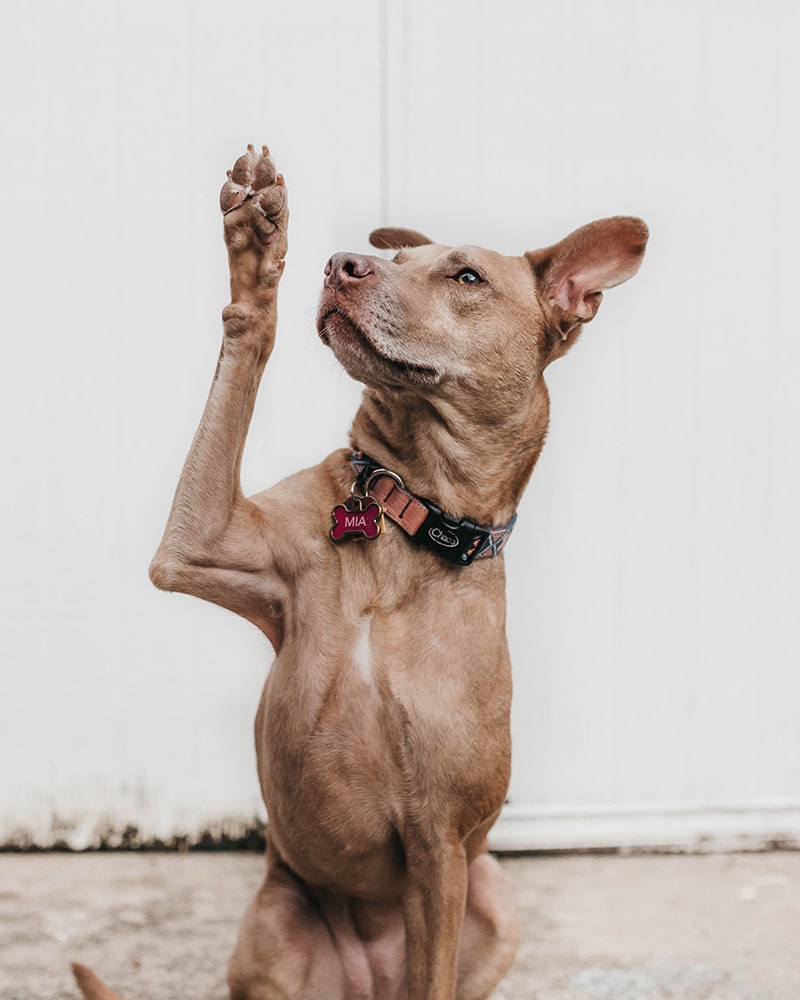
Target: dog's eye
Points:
(467, 276)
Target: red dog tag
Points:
(357, 517)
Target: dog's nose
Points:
(347, 267)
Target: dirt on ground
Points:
(161, 926)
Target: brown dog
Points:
(383, 730)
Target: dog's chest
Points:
(361, 656)
(388, 693)
(371, 670)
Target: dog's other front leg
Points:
(216, 544)
(434, 903)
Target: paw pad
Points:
(254, 177)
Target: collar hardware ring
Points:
(382, 472)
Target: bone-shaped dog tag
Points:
(357, 517)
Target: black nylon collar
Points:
(458, 540)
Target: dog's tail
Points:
(91, 987)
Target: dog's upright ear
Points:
(573, 274)
(393, 238)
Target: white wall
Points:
(654, 571)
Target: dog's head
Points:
(443, 320)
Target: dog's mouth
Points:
(352, 345)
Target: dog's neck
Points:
(469, 467)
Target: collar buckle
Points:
(457, 541)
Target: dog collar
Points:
(458, 540)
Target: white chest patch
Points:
(362, 651)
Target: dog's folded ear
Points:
(573, 274)
(393, 238)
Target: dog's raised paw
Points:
(255, 216)
(255, 179)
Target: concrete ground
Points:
(161, 927)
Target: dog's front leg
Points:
(216, 544)
(434, 903)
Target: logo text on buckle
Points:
(442, 537)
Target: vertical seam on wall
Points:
(383, 111)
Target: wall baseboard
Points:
(671, 827)
(679, 827)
